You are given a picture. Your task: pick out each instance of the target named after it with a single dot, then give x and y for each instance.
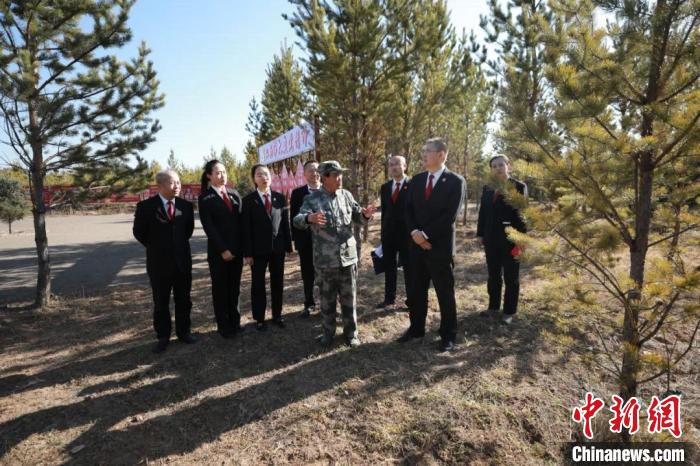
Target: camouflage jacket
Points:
(333, 244)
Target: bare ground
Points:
(78, 384)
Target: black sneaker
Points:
(408, 336)
(325, 341)
(160, 346)
(489, 313)
(279, 321)
(189, 339)
(447, 346)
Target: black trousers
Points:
(308, 275)
(391, 250)
(275, 263)
(162, 283)
(502, 267)
(225, 292)
(438, 267)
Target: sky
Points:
(211, 57)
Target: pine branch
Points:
(660, 321)
(678, 359)
(666, 238)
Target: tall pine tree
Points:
(620, 164)
(68, 104)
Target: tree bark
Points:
(43, 279)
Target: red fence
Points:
(54, 194)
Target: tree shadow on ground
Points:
(155, 406)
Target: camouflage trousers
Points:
(333, 283)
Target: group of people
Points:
(418, 217)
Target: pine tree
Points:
(12, 204)
(68, 104)
(469, 108)
(518, 69)
(621, 166)
(356, 50)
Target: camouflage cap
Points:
(330, 166)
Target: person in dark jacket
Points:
(394, 235)
(164, 224)
(302, 238)
(267, 238)
(434, 198)
(495, 215)
(220, 214)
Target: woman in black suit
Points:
(220, 214)
(267, 239)
(495, 215)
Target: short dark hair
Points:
(499, 156)
(255, 167)
(309, 162)
(438, 143)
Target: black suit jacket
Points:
(393, 215)
(167, 241)
(223, 227)
(495, 217)
(436, 216)
(302, 238)
(263, 233)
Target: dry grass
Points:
(79, 384)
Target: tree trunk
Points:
(638, 252)
(43, 279)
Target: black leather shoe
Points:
(279, 322)
(326, 341)
(261, 326)
(160, 346)
(408, 336)
(384, 304)
(189, 339)
(447, 346)
(228, 335)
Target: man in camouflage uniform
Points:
(330, 213)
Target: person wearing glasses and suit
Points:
(267, 239)
(164, 224)
(434, 199)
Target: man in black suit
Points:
(164, 224)
(496, 213)
(267, 239)
(302, 238)
(434, 198)
(394, 235)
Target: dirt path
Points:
(89, 254)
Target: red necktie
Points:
(429, 188)
(496, 193)
(268, 205)
(171, 210)
(395, 194)
(227, 200)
